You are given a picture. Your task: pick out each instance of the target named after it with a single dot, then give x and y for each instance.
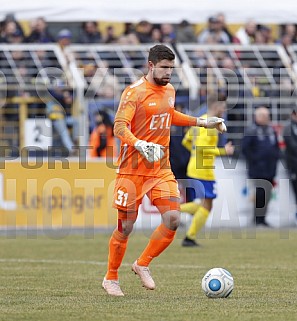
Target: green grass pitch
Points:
(52, 278)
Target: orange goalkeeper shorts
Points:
(130, 190)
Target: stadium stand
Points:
(293, 53)
(250, 75)
(126, 62)
(108, 68)
(28, 72)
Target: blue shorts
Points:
(199, 188)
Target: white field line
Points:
(98, 263)
(41, 261)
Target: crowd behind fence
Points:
(76, 82)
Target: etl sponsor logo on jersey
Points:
(160, 121)
(152, 104)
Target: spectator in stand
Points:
(100, 82)
(129, 39)
(259, 38)
(64, 39)
(290, 137)
(288, 37)
(90, 33)
(144, 31)
(286, 89)
(129, 36)
(11, 18)
(266, 34)
(290, 30)
(246, 35)
(157, 35)
(222, 20)
(98, 139)
(199, 59)
(129, 28)
(185, 32)
(168, 33)
(102, 140)
(58, 110)
(11, 33)
(45, 60)
(286, 40)
(19, 57)
(257, 89)
(214, 33)
(2, 36)
(235, 84)
(16, 37)
(89, 70)
(39, 32)
(110, 37)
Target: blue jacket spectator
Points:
(261, 150)
(39, 32)
(90, 33)
(290, 137)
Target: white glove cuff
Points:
(201, 122)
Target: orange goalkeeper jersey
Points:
(148, 112)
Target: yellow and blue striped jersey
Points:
(202, 143)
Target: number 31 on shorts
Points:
(122, 198)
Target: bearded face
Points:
(162, 71)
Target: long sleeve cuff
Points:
(123, 132)
(180, 119)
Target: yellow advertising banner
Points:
(56, 194)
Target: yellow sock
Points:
(198, 222)
(190, 207)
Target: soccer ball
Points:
(217, 283)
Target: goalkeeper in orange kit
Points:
(142, 122)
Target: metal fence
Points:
(96, 74)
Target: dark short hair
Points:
(213, 19)
(160, 52)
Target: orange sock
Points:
(159, 241)
(117, 248)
